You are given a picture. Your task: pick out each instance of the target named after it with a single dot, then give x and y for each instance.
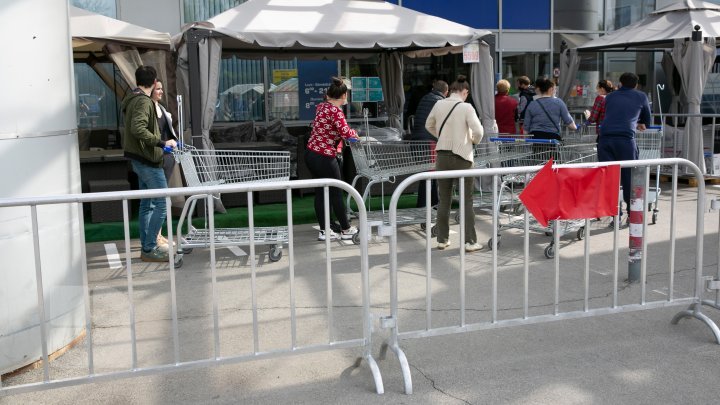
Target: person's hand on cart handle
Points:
(641, 127)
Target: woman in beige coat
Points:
(457, 127)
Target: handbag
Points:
(548, 116)
(446, 118)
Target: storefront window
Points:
(518, 64)
(104, 7)
(621, 13)
(241, 93)
(98, 112)
(201, 10)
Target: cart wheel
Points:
(433, 231)
(457, 217)
(356, 238)
(581, 233)
(548, 233)
(519, 209)
(654, 217)
(185, 251)
(490, 242)
(423, 226)
(275, 254)
(550, 251)
(178, 262)
(503, 208)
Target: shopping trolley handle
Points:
(525, 140)
(169, 149)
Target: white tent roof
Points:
(660, 28)
(349, 24)
(91, 31)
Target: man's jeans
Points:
(152, 210)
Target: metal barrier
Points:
(363, 341)
(485, 276)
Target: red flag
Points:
(572, 193)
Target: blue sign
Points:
(314, 78)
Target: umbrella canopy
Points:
(90, 32)
(322, 29)
(354, 24)
(662, 27)
(671, 27)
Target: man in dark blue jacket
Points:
(419, 133)
(626, 111)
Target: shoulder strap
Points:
(446, 118)
(548, 116)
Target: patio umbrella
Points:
(670, 28)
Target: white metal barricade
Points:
(480, 276)
(210, 167)
(342, 331)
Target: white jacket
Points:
(462, 130)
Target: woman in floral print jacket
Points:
(328, 130)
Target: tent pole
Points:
(193, 38)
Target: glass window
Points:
(584, 15)
(241, 94)
(104, 7)
(532, 65)
(621, 13)
(201, 10)
(98, 110)
(364, 68)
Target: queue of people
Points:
(443, 117)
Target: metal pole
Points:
(193, 38)
(636, 214)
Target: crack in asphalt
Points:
(435, 387)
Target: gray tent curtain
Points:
(390, 69)
(693, 60)
(210, 50)
(569, 63)
(668, 67)
(482, 81)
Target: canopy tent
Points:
(338, 29)
(671, 28)
(90, 32)
(128, 46)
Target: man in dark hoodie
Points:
(144, 148)
(419, 133)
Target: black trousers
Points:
(326, 167)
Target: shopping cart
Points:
(533, 152)
(214, 167)
(383, 162)
(649, 144)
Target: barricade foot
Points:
(711, 304)
(404, 366)
(379, 388)
(694, 312)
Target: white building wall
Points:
(159, 15)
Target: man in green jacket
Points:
(144, 148)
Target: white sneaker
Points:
(443, 245)
(333, 235)
(348, 233)
(473, 247)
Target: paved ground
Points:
(633, 357)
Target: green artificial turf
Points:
(264, 215)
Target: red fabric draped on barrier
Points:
(569, 193)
